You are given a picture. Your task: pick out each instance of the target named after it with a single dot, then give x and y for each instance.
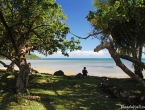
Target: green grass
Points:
(64, 93)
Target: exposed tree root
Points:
(38, 98)
(33, 70)
(3, 70)
(129, 96)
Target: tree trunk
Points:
(138, 68)
(21, 76)
(22, 79)
(119, 63)
(138, 71)
(140, 59)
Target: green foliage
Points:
(37, 23)
(124, 20)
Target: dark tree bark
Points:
(22, 79)
(116, 56)
(138, 71)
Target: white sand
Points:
(50, 71)
(43, 70)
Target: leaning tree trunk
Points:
(138, 71)
(22, 79)
(119, 63)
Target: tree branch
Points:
(134, 60)
(3, 20)
(14, 60)
(102, 46)
(8, 31)
(7, 56)
(11, 9)
(111, 39)
(92, 34)
(5, 65)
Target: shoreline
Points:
(69, 73)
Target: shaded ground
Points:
(63, 93)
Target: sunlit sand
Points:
(50, 71)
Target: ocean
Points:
(95, 66)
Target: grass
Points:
(63, 93)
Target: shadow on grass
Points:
(7, 84)
(70, 93)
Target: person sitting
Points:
(84, 71)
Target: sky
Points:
(76, 11)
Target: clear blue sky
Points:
(76, 11)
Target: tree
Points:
(27, 25)
(121, 23)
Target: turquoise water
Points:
(86, 59)
(95, 66)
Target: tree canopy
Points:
(124, 20)
(119, 24)
(38, 24)
(28, 25)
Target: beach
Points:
(68, 73)
(50, 71)
(72, 66)
(95, 67)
